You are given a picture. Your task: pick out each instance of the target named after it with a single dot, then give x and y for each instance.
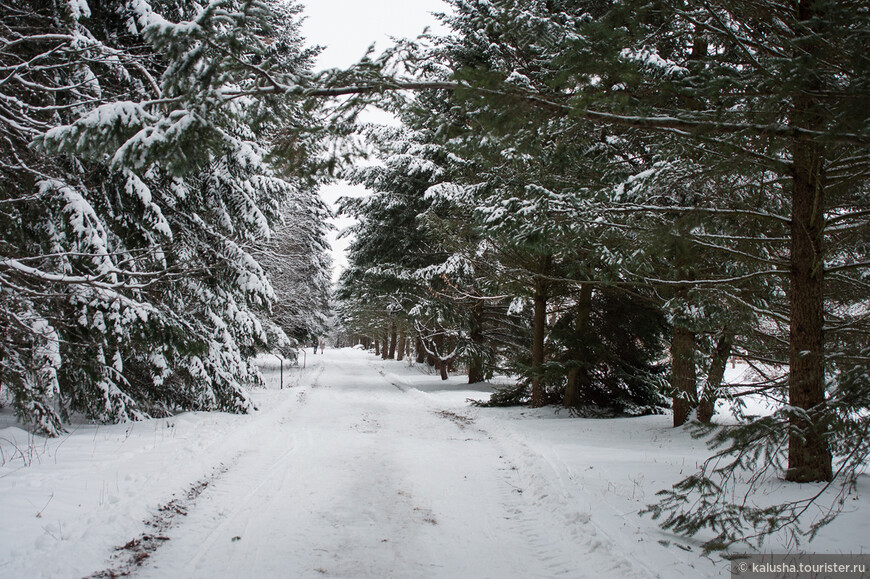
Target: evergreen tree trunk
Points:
(475, 364)
(684, 380)
(377, 348)
(683, 377)
(392, 353)
(539, 329)
(715, 375)
(578, 376)
(385, 344)
(431, 359)
(440, 365)
(400, 350)
(809, 458)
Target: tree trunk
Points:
(377, 348)
(475, 364)
(683, 377)
(400, 350)
(809, 457)
(684, 380)
(392, 353)
(578, 376)
(438, 346)
(715, 375)
(539, 397)
(431, 359)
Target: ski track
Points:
(340, 488)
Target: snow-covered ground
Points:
(361, 468)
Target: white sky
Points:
(347, 28)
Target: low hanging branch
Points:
(651, 123)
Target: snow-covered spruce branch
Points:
(96, 281)
(637, 208)
(748, 47)
(427, 337)
(782, 166)
(73, 44)
(772, 262)
(848, 266)
(662, 122)
(763, 312)
(752, 238)
(646, 280)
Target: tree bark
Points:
(392, 353)
(377, 348)
(683, 376)
(715, 375)
(438, 346)
(539, 397)
(400, 349)
(475, 364)
(578, 376)
(421, 351)
(809, 457)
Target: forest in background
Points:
(607, 199)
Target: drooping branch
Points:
(650, 123)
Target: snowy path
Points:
(360, 468)
(365, 477)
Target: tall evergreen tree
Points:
(135, 180)
(754, 103)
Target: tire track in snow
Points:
(574, 542)
(136, 552)
(166, 522)
(291, 489)
(368, 479)
(522, 519)
(529, 499)
(260, 489)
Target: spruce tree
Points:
(136, 179)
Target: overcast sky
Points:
(347, 28)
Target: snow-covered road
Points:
(360, 468)
(366, 476)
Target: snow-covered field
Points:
(361, 468)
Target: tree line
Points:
(610, 200)
(152, 212)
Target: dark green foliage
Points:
(710, 156)
(620, 354)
